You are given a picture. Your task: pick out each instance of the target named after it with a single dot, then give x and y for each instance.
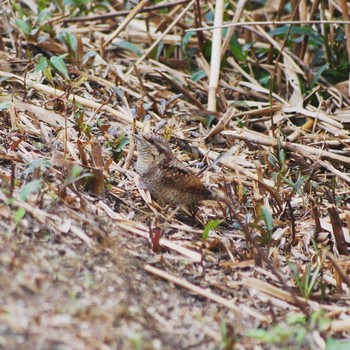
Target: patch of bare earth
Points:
(57, 295)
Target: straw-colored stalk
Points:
(215, 56)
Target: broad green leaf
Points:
(198, 75)
(43, 16)
(41, 65)
(30, 187)
(25, 26)
(59, 64)
(122, 142)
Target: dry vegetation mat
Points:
(252, 96)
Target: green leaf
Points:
(294, 317)
(72, 42)
(4, 105)
(198, 75)
(41, 163)
(88, 55)
(19, 215)
(31, 187)
(76, 174)
(159, 50)
(267, 218)
(123, 141)
(318, 74)
(307, 31)
(237, 49)
(273, 160)
(76, 171)
(210, 226)
(265, 80)
(58, 63)
(77, 3)
(282, 156)
(43, 16)
(209, 119)
(41, 65)
(279, 31)
(125, 45)
(48, 74)
(300, 181)
(335, 344)
(185, 42)
(264, 336)
(296, 275)
(24, 26)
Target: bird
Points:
(167, 178)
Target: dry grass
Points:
(89, 261)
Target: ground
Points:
(89, 260)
